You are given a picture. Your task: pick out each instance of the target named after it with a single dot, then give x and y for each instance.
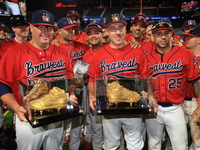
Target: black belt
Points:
(165, 104)
(188, 99)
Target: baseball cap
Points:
(195, 32)
(18, 20)
(162, 24)
(140, 17)
(149, 22)
(73, 13)
(4, 27)
(189, 23)
(42, 17)
(92, 26)
(66, 23)
(115, 18)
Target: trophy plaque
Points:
(123, 96)
(48, 101)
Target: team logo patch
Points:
(46, 17)
(69, 21)
(115, 17)
(197, 65)
(190, 22)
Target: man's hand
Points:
(196, 113)
(92, 100)
(21, 113)
(73, 99)
(55, 42)
(153, 102)
(135, 44)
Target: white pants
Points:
(29, 138)
(132, 133)
(189, 107)
(173, 119)
(14, 7)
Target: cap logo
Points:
(115, 17)
(140, 18)
(69, 21)
(94, 21)
(46, 17)
(190, 22)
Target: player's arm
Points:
(8, 98)
(92, 95)
(196, 112)
(151, 96)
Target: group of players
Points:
(151, 48)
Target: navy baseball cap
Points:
(92, 26)
(18, 20)
(42, 17)
(140, 17)
(4, 28)
(66, 23)
(115, 18)
(189, 23)
(162, 24)
(195, 32)
(73, 13)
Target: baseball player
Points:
(76, 51)
(95, 39)
(105, 63)
(192, 39)
(80, 36)
(3, 33)
(20, 28)
(188, 25)
(28, 61)
(137, 31)
(171, 66)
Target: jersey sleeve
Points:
(9, 67)
(192, 72)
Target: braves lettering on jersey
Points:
(28, 64)
(75, 50)
(117, 63)
(171, 71)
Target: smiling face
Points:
(41, 35)
(116, 33)
(138, 29)
(94, 37)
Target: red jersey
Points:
(4, 46)
(190, 89)
(171, 71)
(75, 50)
(27, 63)
(117, 63)
(88, 56)
(81, 38)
